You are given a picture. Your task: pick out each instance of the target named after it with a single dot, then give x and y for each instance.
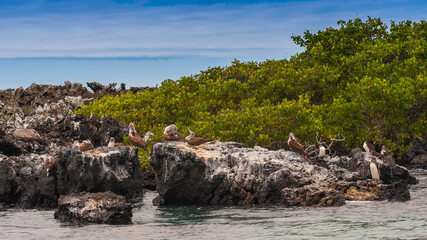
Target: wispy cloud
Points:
(131, 29)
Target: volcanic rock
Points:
(102, 207)
(99, 170)
(226, 173)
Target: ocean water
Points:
(355, 220)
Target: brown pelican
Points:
(76, 144)
(387, 157)
(374, 170)
(297, 147)
(370, 149)
(26, 134)
(49, 162)
(171, 134)
(112, 143)
(136, 139)
(196, 141)
(322, 149)
(86, 145)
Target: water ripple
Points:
(355, 220)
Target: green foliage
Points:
(362, 79)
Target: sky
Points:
(143, 42)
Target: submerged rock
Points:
(227, 173)
(102, 169)
(102, 207)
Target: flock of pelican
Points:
(171, 134)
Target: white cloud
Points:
(216, 30)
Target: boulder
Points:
(416, 154)
(99, 170)
(227, 173)
(102, 207)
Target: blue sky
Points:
(142, 42)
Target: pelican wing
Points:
(198, 141)
(137, 140)
(27, 134)
(176, 137)
(296, 147)
(86, 147)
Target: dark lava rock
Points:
(226, 173)
(102, 207)
(102, 169)
(23, 182)
(416, 155)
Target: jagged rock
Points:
(418, 148)
(23, 182)
(102, 169)
(227, 173)
(420, 161)
(98, 131)
(103, 207)
(149, 180)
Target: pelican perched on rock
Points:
(86, 145)
(49, 162)
(369, 148)
(374, 170)
(27, 134)
(112, 143)
(322, 149)
(171, 134)
(137, 140)
(387, 157)
(76, 144)
(196, 141)
(297, 147)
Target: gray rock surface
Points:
(23, 182)
(99, 170)
(227, 173)
(102, 207)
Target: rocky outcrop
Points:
(23, 182)
(227, 173)
(102, 207)
(99, 170)
(417, 153)
(43, 106)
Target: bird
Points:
(86, 145)
(322, 149)
(191, 136)
(112, 143)
(171, 134)
(369, 148)
(297, 147)
(196, 141)
(49, 162)
(26, 134)
(76, 144)
(387, 156)
(136, 139)
(374, 170)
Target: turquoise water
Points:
(355, 220)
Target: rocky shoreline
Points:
(219, 173)
(226, 173)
